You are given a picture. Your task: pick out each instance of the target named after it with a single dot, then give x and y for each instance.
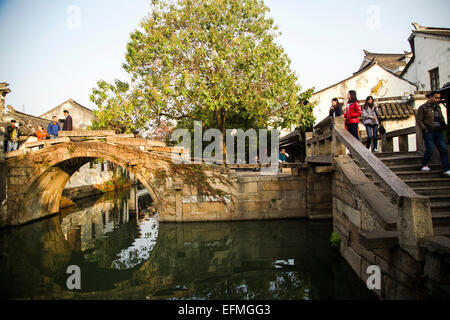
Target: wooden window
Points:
(434, 79)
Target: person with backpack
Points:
(12, 136)
(370, 121)
(53, 128)
(352, 114)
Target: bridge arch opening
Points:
(42, 192)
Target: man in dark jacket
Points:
(12, 137)
(430, 120)
(68, 122)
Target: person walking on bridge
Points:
(370, 120)
(68, 122)
(431, 121)
(53, 128)
(352, 114)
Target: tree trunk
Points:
(221, 118)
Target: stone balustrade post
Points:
(387, 144)
(414, 224)
(4, 90)
(338, 148)
(178, 188)
(403, 143)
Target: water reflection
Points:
(124, 253)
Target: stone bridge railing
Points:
(387, 140)
(108, 136)
(331, 142)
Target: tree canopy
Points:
(215, 61)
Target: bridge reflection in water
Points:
(124, 254)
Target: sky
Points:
(53, 50)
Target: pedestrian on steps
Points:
(431, 121)
(352, 114)
(370, 121)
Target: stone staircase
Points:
(432, 184)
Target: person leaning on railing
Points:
(352, 114)
(336, 108)
(431, 121)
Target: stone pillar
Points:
(4, 90)
(403, 143)
(178, 188)
(133, 201)
(319, 197)
(414, 224)
(388, 144)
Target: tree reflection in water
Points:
(126, 254)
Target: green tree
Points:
(214, 61)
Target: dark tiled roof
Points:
(395, 110)
(389, 61)
(29, 122)
(431, 30)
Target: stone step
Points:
(436, 198)
(442, 231)
(429, 191)
(413, 167)
(382, 155)
(389, 239)
(421, 175)
(412, 175)
(435, 182)
(378, 239)
(441, 218)
(442, 206)
(402, 160)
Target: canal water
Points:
(124, 253)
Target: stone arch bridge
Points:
(35, 178)
(36, 175)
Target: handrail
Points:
(376, 166)
(395, 133)
(414, 221)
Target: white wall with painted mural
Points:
(374, 80)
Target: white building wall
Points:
(82, 119)
(430, 52)
(87, 176)
(392, 86)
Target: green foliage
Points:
(335, 240)
(207, 60)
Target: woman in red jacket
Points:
(352, 114)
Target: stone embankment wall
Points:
(366, 222)
(257, 196)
